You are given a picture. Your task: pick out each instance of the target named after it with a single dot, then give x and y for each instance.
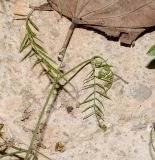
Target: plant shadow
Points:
(151, 65)
(49, 113)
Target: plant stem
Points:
(58, 78)
(40, 119)
(74, 68)
(66, 42)
(151, 140)
(21, 149)
(68, 37)
(12, 154)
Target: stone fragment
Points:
(142, 93)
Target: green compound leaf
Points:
(30, 41)
(98, 81)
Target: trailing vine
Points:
(99, 80)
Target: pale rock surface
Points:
(127, 115)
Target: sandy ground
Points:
(127, 115)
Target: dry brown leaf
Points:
(126, 19)
(123, 19)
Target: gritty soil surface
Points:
(128, 114)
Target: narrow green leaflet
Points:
(151, 51)
(24, 43)
(33, 24)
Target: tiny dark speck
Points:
(69, 109)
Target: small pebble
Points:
(142, 93)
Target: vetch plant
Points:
(100, 71)
(152, 137)
(98, 82)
